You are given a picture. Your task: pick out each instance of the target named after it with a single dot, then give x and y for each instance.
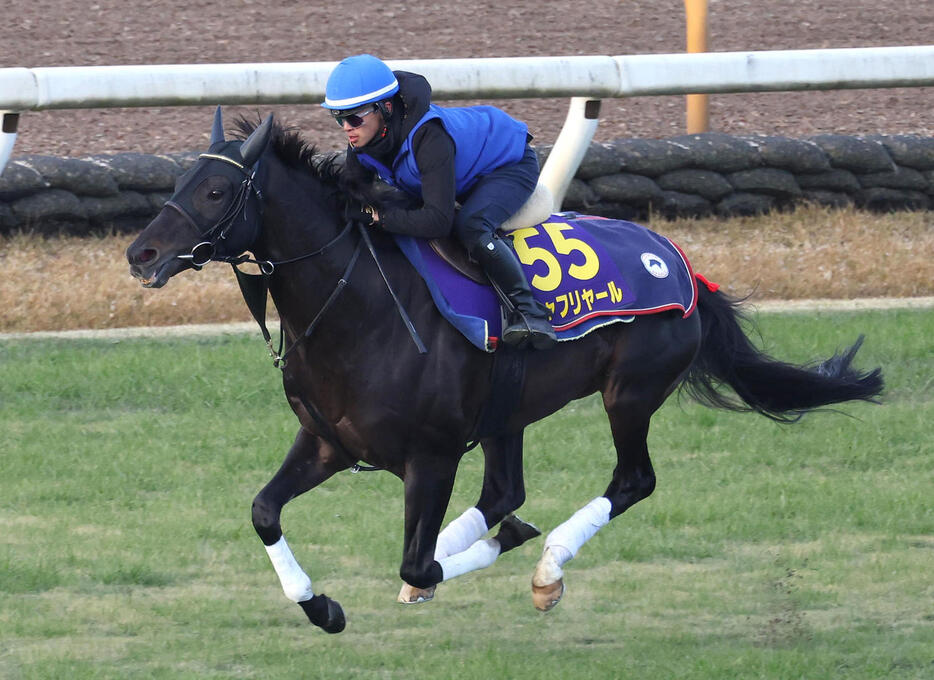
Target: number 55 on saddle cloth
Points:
(589, 271)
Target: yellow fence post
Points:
(698, 113)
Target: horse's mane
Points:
(293, 150)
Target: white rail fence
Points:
(585, 79)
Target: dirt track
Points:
(106, 32)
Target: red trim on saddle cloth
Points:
(687, 263)
(711, 286)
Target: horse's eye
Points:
(211, 196)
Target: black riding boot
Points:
(528, 318)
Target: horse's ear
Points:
(217, 131)
(255, 144)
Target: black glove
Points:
(363, 216)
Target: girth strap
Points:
(507, 379)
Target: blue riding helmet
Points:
(361, 79)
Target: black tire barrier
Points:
(684, 176)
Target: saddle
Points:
(535, 210)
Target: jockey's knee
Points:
(474, 233)
(422, 576)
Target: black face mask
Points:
(215, 197)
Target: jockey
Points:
(477, 156)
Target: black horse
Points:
(362, 390)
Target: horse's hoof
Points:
(546, 597)
(325, 613)
(412, 595)
(513, 532)
(547, 582)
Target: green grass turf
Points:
(767, 551)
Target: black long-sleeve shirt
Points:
(433, 216)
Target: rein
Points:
(254, 292)
(255, 288)
(267, 267)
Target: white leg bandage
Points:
(568, 538)
(478, 556)
(295, 583)
(460, 534)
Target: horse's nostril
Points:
(145, 256)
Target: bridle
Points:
(206, 250)
(255, 287)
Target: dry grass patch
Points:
(69, 283)
(813, 253)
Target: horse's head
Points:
(215, 212)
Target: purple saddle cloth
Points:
(589, 272)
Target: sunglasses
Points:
(353, 118)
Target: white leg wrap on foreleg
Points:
(568, 538)
(460, 534)
(478, 556)
(295, 582)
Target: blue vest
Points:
(485, 138)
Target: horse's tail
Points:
(777, 390)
